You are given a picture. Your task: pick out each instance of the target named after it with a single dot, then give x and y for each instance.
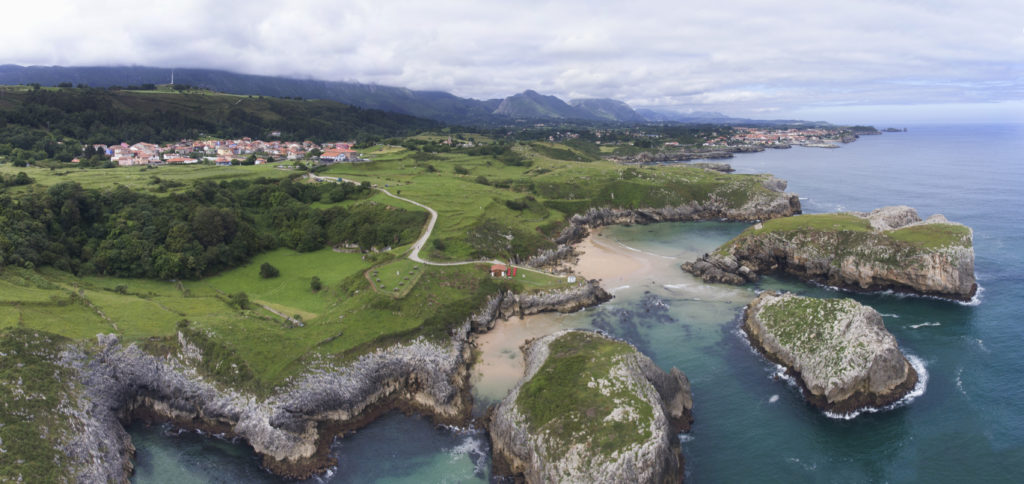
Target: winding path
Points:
(420, 242)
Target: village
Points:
(224, 152)
(783, 138)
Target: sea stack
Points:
(591, 409)
(837, 349)
(888, 249)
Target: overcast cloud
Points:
(748, 58)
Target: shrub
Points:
(268, 271)
(439, 244)
(240, 300)
(461, 170)
(315, 284)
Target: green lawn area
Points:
(139, 177)
(396, 278)
(825, 222)
(290, 292)
(934, 236)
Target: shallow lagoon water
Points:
(968, 424)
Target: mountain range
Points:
(437, 105)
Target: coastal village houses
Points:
(223, 152)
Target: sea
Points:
(964, 423)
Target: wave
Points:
(976, 300)
(809, 467)
(917, 391)
(684, 438)
(924, 325)
(473, 446)
(890, 315)
(959, 382)
(773, 398)
(614, 289)
(652, 254)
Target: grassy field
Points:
(487, 208)
(140, 177)
(396, 278)
(934, 236)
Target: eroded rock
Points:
(591, 409)
(837, 349)
(887, 249)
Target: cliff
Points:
(770, 203)
(838, 350)
(292, 429)
(887, 249)
(591, 409)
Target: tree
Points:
(268, 271)
(239, 300)
(315, 284)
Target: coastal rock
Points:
(761, 206)
(293, 428)
(508, 304)
(837, 349)
(887, 249)
(591, 409)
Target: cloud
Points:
(736, 56)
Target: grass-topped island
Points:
(888, 249)
(591, 409)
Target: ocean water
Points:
(967, 424)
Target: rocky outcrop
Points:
(508, 304)
(887, 249)
(617, 417)
(761, 206)
(291, 430)
(837, 349)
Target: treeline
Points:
(53, 123)
(209, 228)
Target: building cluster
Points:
(770, 136)
(224, 152)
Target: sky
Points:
(852, 61)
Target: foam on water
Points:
(917, 391)
(960, 382)
(890, 315)
(773, 398)
(924, 325)
(684, 438)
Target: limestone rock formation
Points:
(292, 429)
(887, 249)
(591, 409)
(838, 350)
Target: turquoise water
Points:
(967, 425)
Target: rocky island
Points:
(888, 249)
(837, 349)
(591, 409)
